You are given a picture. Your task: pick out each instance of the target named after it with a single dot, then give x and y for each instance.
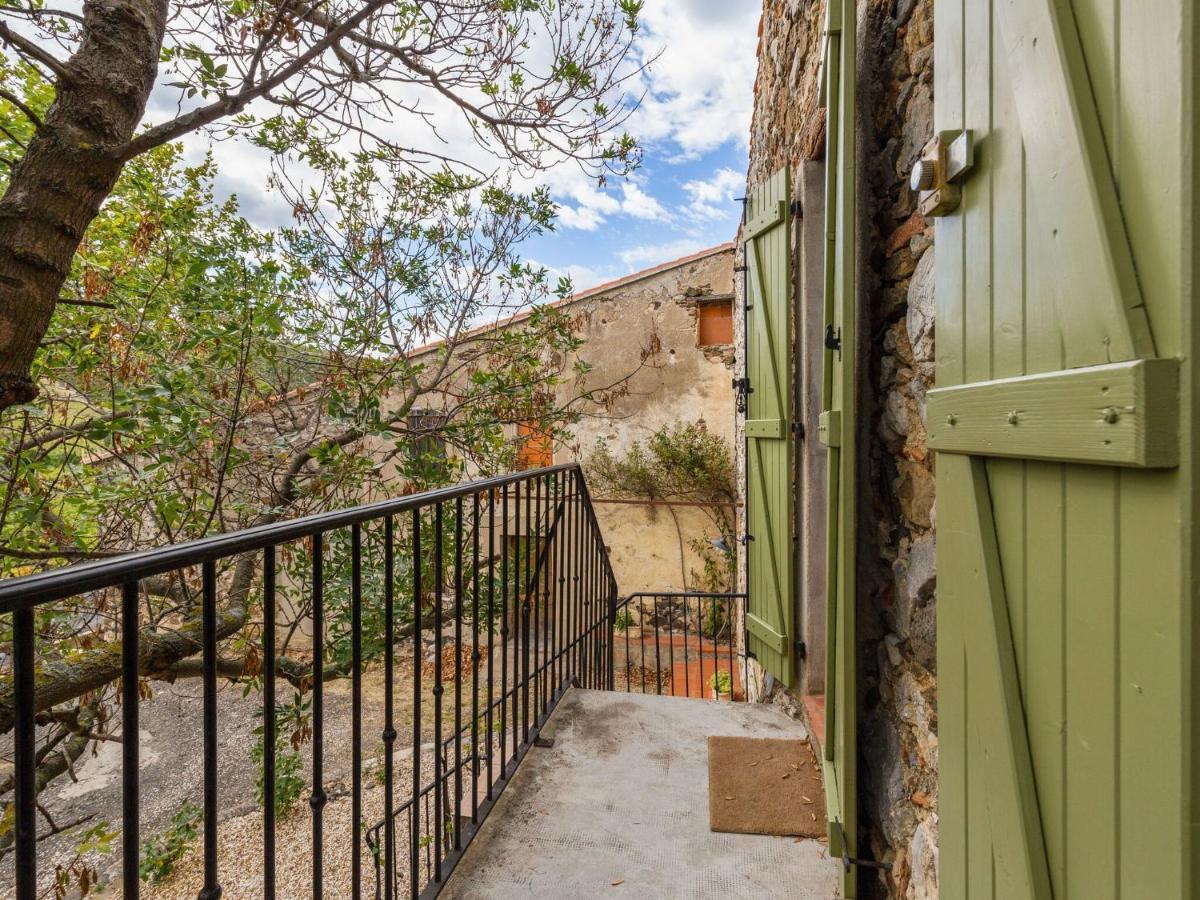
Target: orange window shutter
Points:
(536, 450)
(715, 324)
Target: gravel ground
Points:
(172, 772)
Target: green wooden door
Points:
(1064, 609)
(837, 431)
(768, 425)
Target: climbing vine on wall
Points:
(682, 461)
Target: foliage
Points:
(623, 620)
(680, 461)
(160, 854)
(293, 729)
(202, 374)
(721, 682)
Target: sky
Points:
(693, 125)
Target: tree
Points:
(538, 81)
(682, 461)
(202, 374)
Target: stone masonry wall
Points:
(897, 663)
(897, 628)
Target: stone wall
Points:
(897, 658)
(641, 346)
(897, 674)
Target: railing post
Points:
(611, 680)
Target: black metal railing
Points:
(512, 570)
(679, 644)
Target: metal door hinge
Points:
(796, 209)
(833, 338)
(745, 538)
(798, 429)
(848, 860)
(742, 392)
(801, 650)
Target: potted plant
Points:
(721, 684)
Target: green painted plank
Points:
(1091, 648)
(1122, 414)
(1045, 702)
(1078, 216)
(998, 719)
(948, 50)
(829, 428)
(769, 516)
(766, 633)
(1152, 671)
(771, 215)
(765, 428)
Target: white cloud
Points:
(640, 205)
(654, 254)
(699, 89)
(713, 199)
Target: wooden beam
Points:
(764, 428)
(766, 220)
(1123, 414)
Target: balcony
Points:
(618, 807)
(559, 748)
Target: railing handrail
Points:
(737, 595)
(68, 581)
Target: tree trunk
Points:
(68, 170)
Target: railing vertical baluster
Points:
(475, 659)
(491, 643)
(437, 690)
(560, 580)
(577, 576)
(356, 710)
(504, 631)
(657, 650)
(389, 722)
(208, 613)
(552, 546)
(671, 642)
(458, 636)
(532, 536)
(130, 741)
(414, 843)
(687, 653)
(24, 756)
(518, 590)
(269, 725)
(642, 640)
(317, 799)
(541, 538)
(729, 619)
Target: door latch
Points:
(743, 390)
(935, 178)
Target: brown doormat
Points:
(765, 786)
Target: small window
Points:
(535, 448)
(715, 323)
(427, 441)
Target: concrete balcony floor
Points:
(618, 807)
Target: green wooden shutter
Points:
(1065, 610)
(768, 425)
(837, 431)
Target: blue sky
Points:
(693, 125)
